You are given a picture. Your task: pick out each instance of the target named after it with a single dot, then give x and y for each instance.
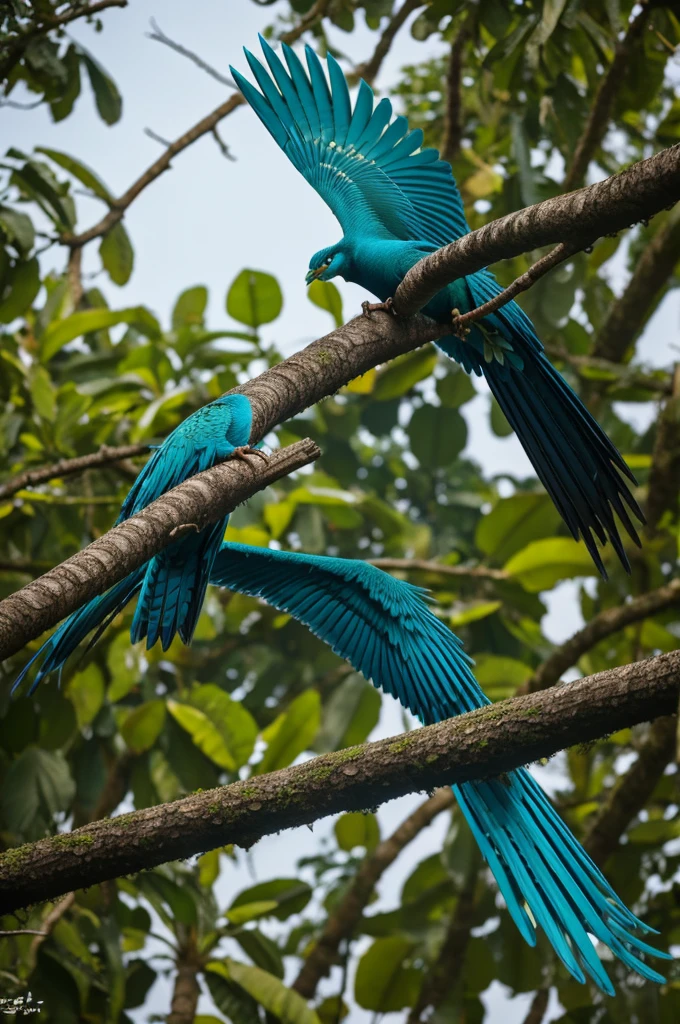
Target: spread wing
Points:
(367, 167)
(381, 625)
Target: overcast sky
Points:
(205, 220)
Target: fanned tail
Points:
(547, 878)
(96, 614)
(174, 586)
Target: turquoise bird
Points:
(172, 585)
(386, 630)
(396, 203)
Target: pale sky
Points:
(205, 220)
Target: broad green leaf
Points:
(37, 784)
(349, 715)
(189, 310)
(204, 733)
(513, 522)
(262, 950)
(455, 389)
(117, 254)
(80, 171)
(62, 106)
(61, 332)
(159, 888)
(382, 983)
(43, 394)
(251, 911)
(287, 896)
(499, 423)
(402, 373)
(291, 733)
(437, 435)
(286, 1005)
(543, 563)
(357, 829)
(106, 96)
(21, 287)
(235, 724)
(124, 665)
(208, 868)
(550, 16)
(254, 298)
(500, 677)
(18, 228)
(85, 690)
(474, 612)
(143, 726)
(325, 295)
(236, 1005)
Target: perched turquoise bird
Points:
(396, 203)
(172, 584)
(386, 630)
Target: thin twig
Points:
(52, 918)
(422, 565)
(156, 137)
(159, 36)
(369, 69)
(67, 467)
(22, 931)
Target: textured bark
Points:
(422, 565)
(578, 218)
(482, 744)
(539, 1004)
(67, 467)
(631, 793)
(600, 112)
(370, 68)
(196, 503)
(186, 990)
(663, 492)
(603, 625)
(630, 312)
(453, 110)
(342, 922)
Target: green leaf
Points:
(254, 298)
(143, 726)
(455, 389)
(157, 886)
(286, 896)
(262, 950)
(62, 106)
(80, 171)
(499, 423)
(61, 332)
(474, 612)
(251, 911)
(117, 254)
(85, 690)
(382, 983)
(325, 295)
(106, 96)
(206, 736)
(21, 287)
(43, 394)
(190, 307)
(437, 435)
(37, 784)
(357, 829)
(513, 522)
(236, 1005)
(19, 229)
(550, 16)
(349, 715)
(235, 724)
(291, 732)
(500, 677)
(404, 372)
(285, 1004)
(543, 563)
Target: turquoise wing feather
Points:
(369, 168)
(386, 630)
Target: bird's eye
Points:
(328, 260)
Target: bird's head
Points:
(327, 263)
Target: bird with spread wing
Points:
(396, 203)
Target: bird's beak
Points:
(313, 274)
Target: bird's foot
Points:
(244, 450)
(459, 325)
(371, 307)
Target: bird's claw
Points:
(461, 330)
(243, 451)
(385, 307)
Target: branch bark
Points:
(197, 502)
(481, 744)
(453, 111)
(581, 217)
(370, 68)
(67, 467)
(600, 112)
(539, 1004)
(186, 990)
(342, 923)
(422, 565)
(603, 625)
(662, 490)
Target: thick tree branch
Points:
(481, 744)
(630, 312)
(422, 565)
(578, 218)
(203, 499)
(370, 68)
(611, 620)
(186, 990)
(343, 921)
(67, 467)
(600, 111)
(453, 110)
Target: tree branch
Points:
(624, 375)
(637, 193)
(67, 467)
(662, 489)
(186, 990)
(159, 36)
(342, 922)
(600, 111)
(482, 744)
(611, 620)
(629, 313)
(539, 1004)
(422, 565)
(453, 111)
(369, 69)
(196, 503)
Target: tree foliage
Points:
(397, 480)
